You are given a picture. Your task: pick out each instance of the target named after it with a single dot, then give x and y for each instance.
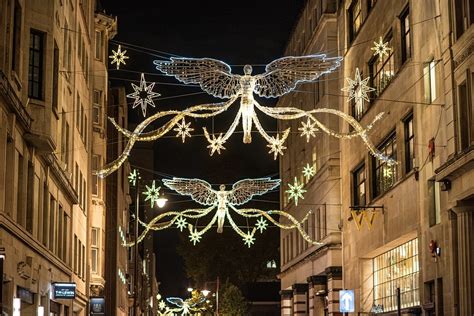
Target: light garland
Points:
(381, 48)
(222, 202)
(143, 95)
(281, 77)
(118, 57)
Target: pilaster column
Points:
(286, 302)
(300, 303)
(334, 275)
(465, 260)
(317, 288)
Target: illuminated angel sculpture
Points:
(201, 192)
(215, 78)
(185, 307)
(281, 76)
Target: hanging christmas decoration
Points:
(358, 91)
(186, 307)
(133, 177)
(143, 95)
(152, 193)
(380, 49)
(309, 171)
(222, 202)
(295, 191)
(118, 57)
(215, 78)
(183, 129)
(308, 129)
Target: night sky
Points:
(236, 32)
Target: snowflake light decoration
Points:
(358, 90)
(161, 305)
(295, 191)
(309, 171)
(143, 94)
(195, 237)
(249, 240)
(183, 130)
(308, 129)
(181, 223)
(133, 177)
(118, 57)
(215, 144)
(261, 224)
(276, 144)
(381, 48)
(152, 193)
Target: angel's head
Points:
(222, 187)
(248, 70)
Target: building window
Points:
(35, 65)
(371, 4)
(464, 10)
(95, 178)
(429, 78)
(434, 202)
(358, 182)
(97, 107)
(409, 143)
(355, 19)
(95, 235)
(385, 174)
(382, 70)
(405, 28)
(16, 38)
(98, 45)
(465, 116)
(397, 268)
(55, 92)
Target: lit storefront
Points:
(397, 268)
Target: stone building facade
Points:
(415, 253)
(51, 225)
(311, 274)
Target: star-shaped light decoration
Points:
(181, 223)
(276, 144)
(143, 94)
(161, 305)
(152, 193)
(195, 237)
(249, 239)
(308, 129)
(261, 224)
(358, 90)
(216, 144)
(133, 177)
(118, 57)
(309, 171)
(295, 191)
(381, 48)
(183, 130)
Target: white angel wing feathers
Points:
(281, 75)
(202, 192)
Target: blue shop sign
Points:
(64, 290)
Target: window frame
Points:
(353, 31)
(375, 70)
(405, 49)
(38, 52)
(356, 184)
(378, 165)
(410, 154)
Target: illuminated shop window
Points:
(397, 268)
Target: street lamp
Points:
(161, 202)
(190, 289)
(205, 292)
(2, 258)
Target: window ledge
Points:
(396, 184)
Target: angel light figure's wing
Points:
(282, 75)
(244, 190)
(212, 75)
(199, 190)
(175, 301)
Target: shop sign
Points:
(97, 306)
(64, 290)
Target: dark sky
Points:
(237, 32)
